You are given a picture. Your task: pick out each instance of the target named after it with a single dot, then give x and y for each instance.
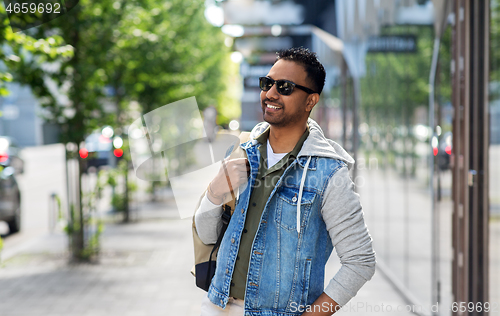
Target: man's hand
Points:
(232, 174)
(323, 306)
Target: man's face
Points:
(286, 110)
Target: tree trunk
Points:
(126, 208)
(80, 233)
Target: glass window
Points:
(494, 154)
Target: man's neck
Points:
(284, 139)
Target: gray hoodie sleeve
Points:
(343, 215)
(208, 221)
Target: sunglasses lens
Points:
(265, 83)
(284, 87)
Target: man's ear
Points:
(312, 100)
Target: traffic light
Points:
(117, 147)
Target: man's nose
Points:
(272, 93)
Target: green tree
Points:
(22, 55)
(164, 52)
(145, 53)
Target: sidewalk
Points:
(144, 270)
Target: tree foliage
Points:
(129, 56)
(127, 52)
(22, 55)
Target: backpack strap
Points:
(226, 217)
(203, 253)
(238, 153)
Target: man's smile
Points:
(272, 107)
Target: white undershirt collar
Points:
(273, 158)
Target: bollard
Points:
(53, 210)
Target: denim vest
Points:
(286, 267)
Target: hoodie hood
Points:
(315, 145)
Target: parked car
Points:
(97, 150)
(10, 195)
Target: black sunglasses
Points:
(284, 87)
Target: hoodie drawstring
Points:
(302, 181)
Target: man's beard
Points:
(282, 119)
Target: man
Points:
(299, 203)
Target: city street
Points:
(143, 269)
(144, 99)
(144, 266)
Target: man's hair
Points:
(303, 56)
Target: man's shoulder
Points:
(259, 129)
(327, 164)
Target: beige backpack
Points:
(204, 259)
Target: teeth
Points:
(273, 107)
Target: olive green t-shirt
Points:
(264, 184)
